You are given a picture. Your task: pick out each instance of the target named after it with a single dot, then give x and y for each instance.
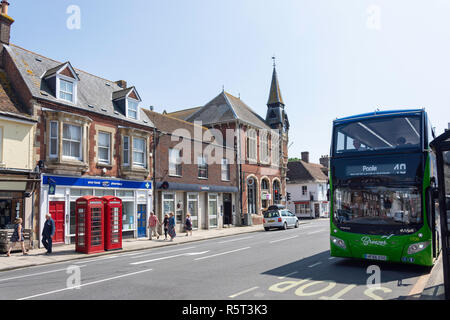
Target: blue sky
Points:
(334, 58)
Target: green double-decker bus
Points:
(382, 174)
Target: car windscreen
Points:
(271, 214)
(388, 133)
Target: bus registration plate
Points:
(375, 257)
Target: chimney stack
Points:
(325, 161)
(122, 84)
(5, 23)
(305, 157)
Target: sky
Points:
(334, 58)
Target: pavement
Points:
(63, 253)
(434, 287)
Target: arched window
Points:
(265, 193)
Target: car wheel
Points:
(296, 224)
(267, 229)
(285, 226)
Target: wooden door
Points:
(57, 210)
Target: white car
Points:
(279, 218)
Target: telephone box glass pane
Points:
(96, 226)
(115, 225)
(81, 227)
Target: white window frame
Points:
(264, 146)
(175, 168)
(138, 164)
(108, 148)
(128, 108)
(196, 200)
(55, 139)
(126, 151)
(202, 161)
(252, 148)
(225, 170)
(275, 150)
(81, 142)
(59, 78)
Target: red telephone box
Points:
(113, 222)
(89, 215)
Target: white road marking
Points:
(331, 258)
(323, 230)
(94, 260)
(283, 239)
(162, 252)
(242, 292)
(315, 265)
(288, 275)
(222, 253)
(235, 239)
(36, 274)
(169, 257)
(85, 284)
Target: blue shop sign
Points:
(96, 183)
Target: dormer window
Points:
(66, 90)
(62, 81)
(126, 102)
(132, 108)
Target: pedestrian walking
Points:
(171, 230)
(48, 232)
(188, 224)
(17, 236)
(166, 225)
(152, 225)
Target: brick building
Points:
(92, 137)
(261, 147)
(187, 179)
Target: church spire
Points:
(275, 93)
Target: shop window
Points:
(81, 192)
(125, 193)
(168, 203)
(193, 209)
(104, 192)
(6, 214)
(128, 216)
(212, 210)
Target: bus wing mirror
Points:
(435, 193)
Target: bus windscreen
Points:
(377, 205)
(386, 133)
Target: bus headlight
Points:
(339, 242)
(417, 247)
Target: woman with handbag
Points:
(17, 236)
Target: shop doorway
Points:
(227, 209)
(142, 221)
(57, 210)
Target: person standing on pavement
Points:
(152, 225)
(48, 232)
(17, 236)
(171, 230)
(166, 225)
(188, 224)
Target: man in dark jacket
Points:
(48, 233)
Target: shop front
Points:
(209, 206)
(59, 193)
(16, 195)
